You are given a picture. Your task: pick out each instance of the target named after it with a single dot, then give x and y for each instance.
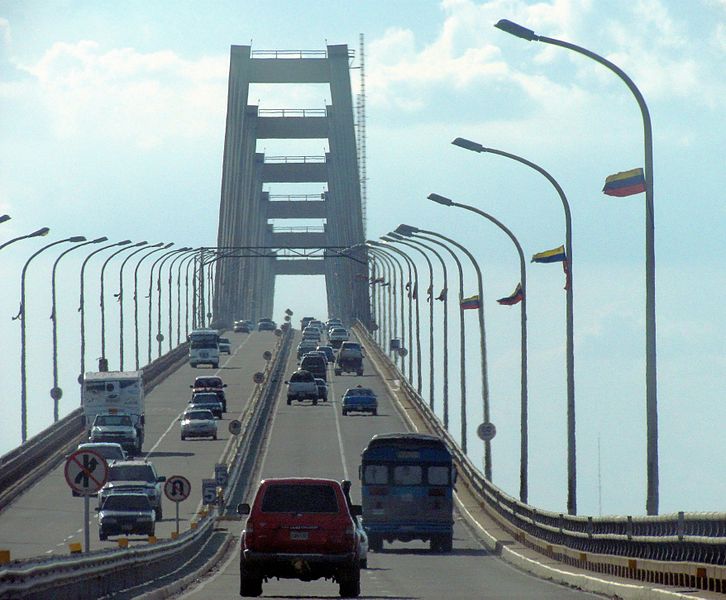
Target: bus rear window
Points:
(375, 474)
(438, 475)
(407, 475)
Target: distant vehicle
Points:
(349, 359)
(302, 386)
(312, 333)
(363, 542)
(338, 335)
(328, 351)
(118, 428)
(316, 364)
(305, 346)
(133, 476)
(125, 513)
(206, 401)
(198, 423)
(266, 325)
(109, 450)
(419, 467)
(305, 322)
(299, 528)
(322, 389)
(225, 346)
(359, 399)
(333, 323)
(241, 327)
(115, 392)
(211, 384)
(204, 347)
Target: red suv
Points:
(300, 528)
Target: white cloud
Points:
(127, 95)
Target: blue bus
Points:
(407, 482)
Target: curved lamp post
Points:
(417, 242)
(82, 303)
(142, 247)
(156, 248)
(396, 238)
(569, 302)
(524, 427)
(162, 260)
(178, 294)
(412, 295)
(650, 336)
(56, 392)
(21, 315)
(39, 233)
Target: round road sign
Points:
(177, 488)
(159, 337)
(56, 393)
(267, 355)
(288, 312)
(402, 352)
(278, 332)
(258, 377)
(287, 317)
(234, 427)
(486, 431)
(86, 471)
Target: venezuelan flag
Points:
(548, 256)
(515, 298)
(625, 183)
(471, 302)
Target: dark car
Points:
(300, 528)
(322, 389)
(208, 401)
(316, 364)
(241, 327)
(211, 384)
(124, 513)
(328, 351)
(266, 325)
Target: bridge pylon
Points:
(245, 285)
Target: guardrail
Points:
(675, 549)
(21, 467)
(105, 572)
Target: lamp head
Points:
(517, 30)
(385, 238)
(136, 245)
(406, 230)
(41, 232)
(440, 199)
(157, 245)
(4, 218)
(99, 240)
(169, 245)
(77, 238)
(468, 144)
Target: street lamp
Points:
(178, 294)
(397, 239)
(156, 248)
(21, 315)
(569, 301)
(40, 232)
(82, 304)
(650, 335)
(161, 258)
(168, 255)
(444, 299)
(141, 247)
(4, 218)
(524, 427)
(56, 392)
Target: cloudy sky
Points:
(112, 123)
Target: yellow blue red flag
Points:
(625, 183)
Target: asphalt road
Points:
(45, 519)
(318, 441)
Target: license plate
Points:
(298, 535)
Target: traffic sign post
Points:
(486, 431)
(258, 377)
(86, 472)
(177, 489)
(234, 427)
(209, 491)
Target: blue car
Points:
(360, 399)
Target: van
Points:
(316, 364)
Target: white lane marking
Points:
(176, 418)
(221, 570)
(337, 428)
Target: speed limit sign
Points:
(209, 491)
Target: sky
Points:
(112, 123)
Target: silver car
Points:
(198, 423)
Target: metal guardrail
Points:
(292, 112)
(105, 572)
(695, 538)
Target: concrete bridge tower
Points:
(257, 252)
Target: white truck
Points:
(204, 347)
(109, 394)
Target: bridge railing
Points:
(698, 540)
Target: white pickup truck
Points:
(302, 386)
